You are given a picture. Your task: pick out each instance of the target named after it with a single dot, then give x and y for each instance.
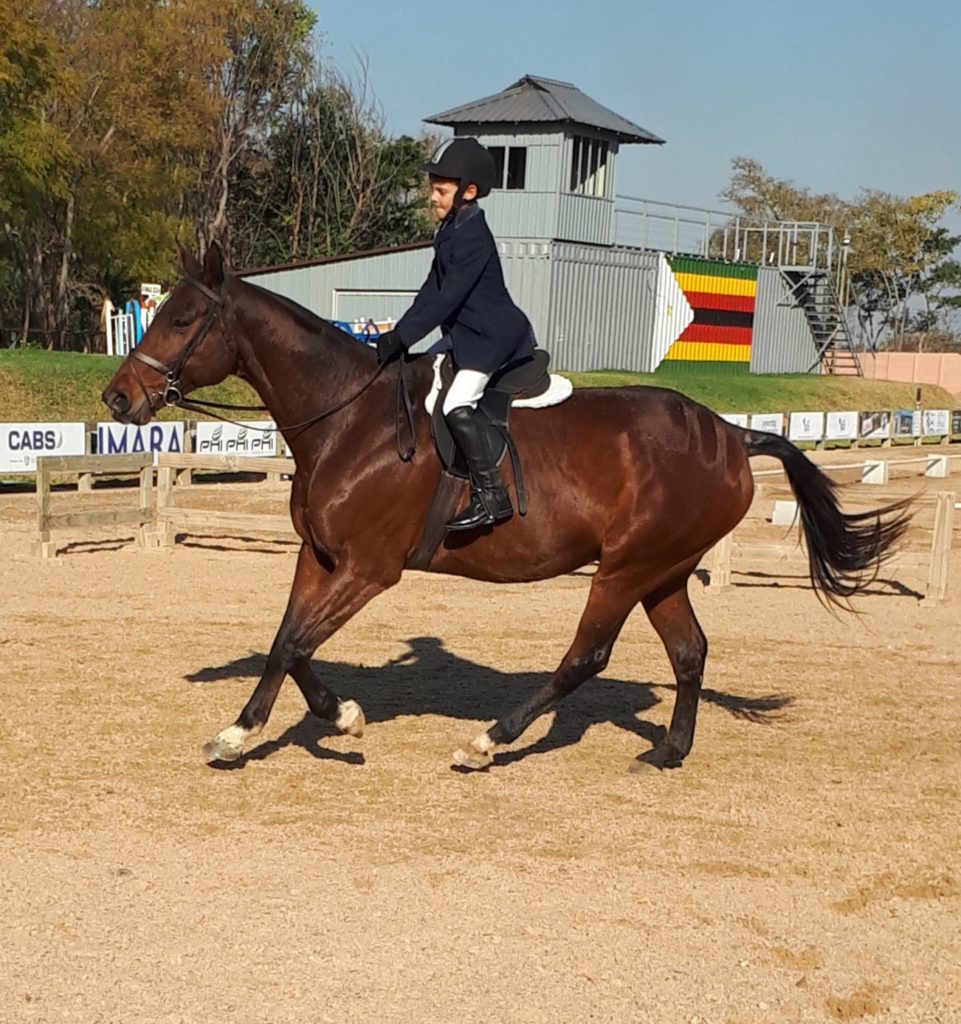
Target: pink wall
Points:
(941, 368)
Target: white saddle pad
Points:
(560, 390)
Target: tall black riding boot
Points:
(489, 502)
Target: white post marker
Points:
(875, 471)
(785, 513)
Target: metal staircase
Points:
(815, 292)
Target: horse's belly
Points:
(527, 548)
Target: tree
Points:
(931, 328)
(97, 188)
(255, 69)
(330, 181)
(31, 149)
(127, 124)
(895, 250)
(760, 197)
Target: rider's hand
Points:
(388, 345)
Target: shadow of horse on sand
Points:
(428, 679)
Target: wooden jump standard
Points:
(83, 466)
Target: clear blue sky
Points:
(835, 95)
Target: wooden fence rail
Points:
(876, 471)
(157, 522)
(172, 516)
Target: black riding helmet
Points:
(465, 161)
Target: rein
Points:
(173, 394)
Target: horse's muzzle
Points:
(119, 405)
(117, 402)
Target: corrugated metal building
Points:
(594, 304)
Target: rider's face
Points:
(442, 192)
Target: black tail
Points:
(845, 550)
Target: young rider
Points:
(466, 297)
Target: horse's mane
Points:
(306, 319)
(312, 324)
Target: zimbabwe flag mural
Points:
(721, 298)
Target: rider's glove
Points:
(388, 345)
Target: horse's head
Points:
(184, 348)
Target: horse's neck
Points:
(298, 367)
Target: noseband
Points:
(173, 393)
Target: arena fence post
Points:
(146, 531)
(165, 500)
(720, 573)
(937, 588)
(43, 547)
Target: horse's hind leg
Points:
(608, 606)
(672, 616)
(320, 603)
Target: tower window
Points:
(510, 166)
(589, 166)
(516, 166)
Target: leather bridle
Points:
(173, 392)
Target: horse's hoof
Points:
(350, 718)
(219, 749)
(468, 759)
(478, 755)
(657, 759)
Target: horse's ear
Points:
(188, 262)
(214, 264)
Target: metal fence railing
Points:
(716, 234)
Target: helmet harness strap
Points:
(458, 200)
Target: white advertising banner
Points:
(770, 422)
(127, 439)
(21, 444)
(841, 426)
(806, 426)
(935, 422)
(243, 438)
(739, 419)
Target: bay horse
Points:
(641, 480)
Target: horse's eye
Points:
(181, 323)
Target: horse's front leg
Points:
(321, 601)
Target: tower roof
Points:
(533, 100)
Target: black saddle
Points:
(525, 378)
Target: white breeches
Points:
(466, 389)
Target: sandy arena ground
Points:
(803, 865)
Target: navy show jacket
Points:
(466, 297)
